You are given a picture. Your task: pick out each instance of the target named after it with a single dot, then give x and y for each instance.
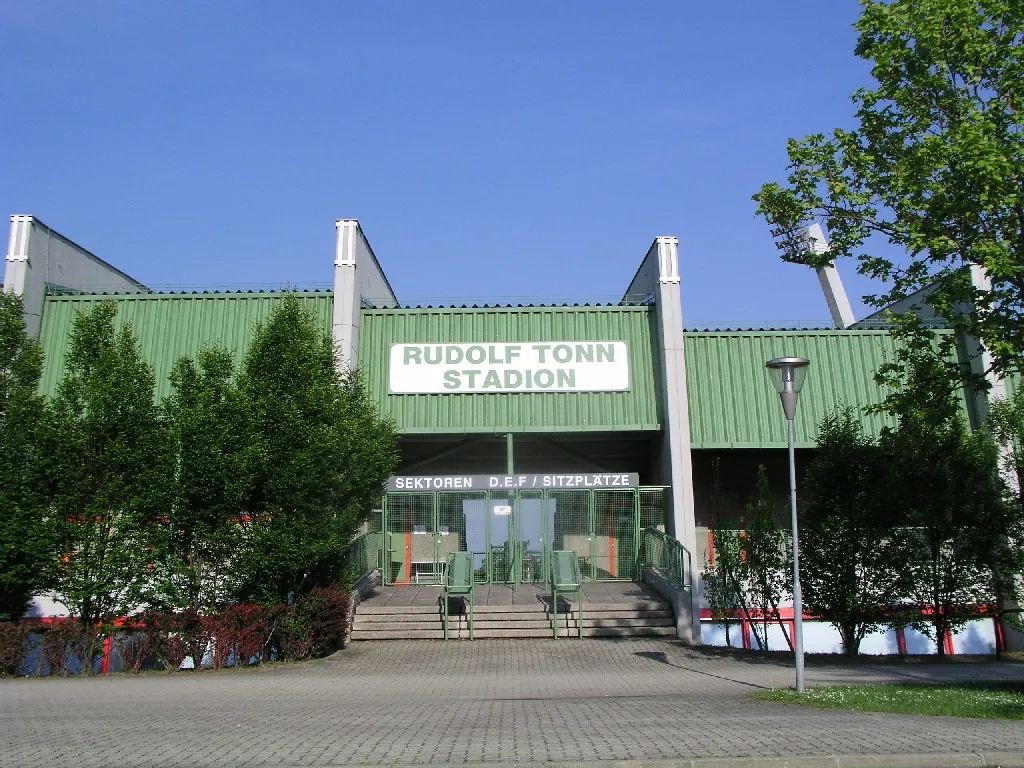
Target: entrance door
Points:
(511, 533)
(534, 534)
(616, 536)
(410, 538)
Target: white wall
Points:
(976, 637)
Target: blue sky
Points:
(529, 149)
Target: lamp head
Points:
(787, 375)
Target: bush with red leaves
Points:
(64, 648)
(314, 626)
(17, 639)
(239, 635)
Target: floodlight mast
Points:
(796, 244)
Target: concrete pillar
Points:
(17, 255)
(346, 293)
(658, 278)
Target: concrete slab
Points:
(648, 702)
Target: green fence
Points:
(512, 533)
(364, 554)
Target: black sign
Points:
(513, 482)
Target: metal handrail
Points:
(667, 556)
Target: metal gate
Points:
(511, 533)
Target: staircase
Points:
(609, 610)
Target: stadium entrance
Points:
(512, 523)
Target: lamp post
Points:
(787, 375)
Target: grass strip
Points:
(1004, 701)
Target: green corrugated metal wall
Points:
(170, 325)
(1012, 384)
(637, 409)
(733, 405)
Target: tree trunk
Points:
(940, 635)
(851, 643)
(743, 604)
(782, 626)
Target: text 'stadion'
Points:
(541, 366)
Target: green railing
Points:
(668, 557)
(364, 554)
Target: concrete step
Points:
(409, 634)
(622, 613)
(483, 634)
(644, 615)
(375, 626)
(384, 613)
(369, 609)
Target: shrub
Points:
(17, 639)
(314, 626)
(64, 648)
(188, 636)
(241, 632)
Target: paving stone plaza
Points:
(491, 701)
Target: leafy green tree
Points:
(1006, 421)
(944, 485)
(723, 571)
(935, 166)
(848, 568)
(723, 578)
(208, 437)
(320, 456)
(27, 558)
(107, 473)
(765, 561)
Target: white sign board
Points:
(527, 366)
(502, 510)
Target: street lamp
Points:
(787, 375)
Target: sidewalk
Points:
(650, 702)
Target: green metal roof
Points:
(733, 404)
(169, 325)
(637, 409)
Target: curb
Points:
(925, 760)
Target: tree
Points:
(106, 473)
(945, 489)
(765, 570)
(847, 568)
(723, 578)
(1006, 421)
(935, 166)
(320, 456)
(26, 536)
(207, 433)
(723, 567)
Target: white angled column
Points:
(346, 293)
(828, 277)
(657, 279)
(678, 460)
(17, 264)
